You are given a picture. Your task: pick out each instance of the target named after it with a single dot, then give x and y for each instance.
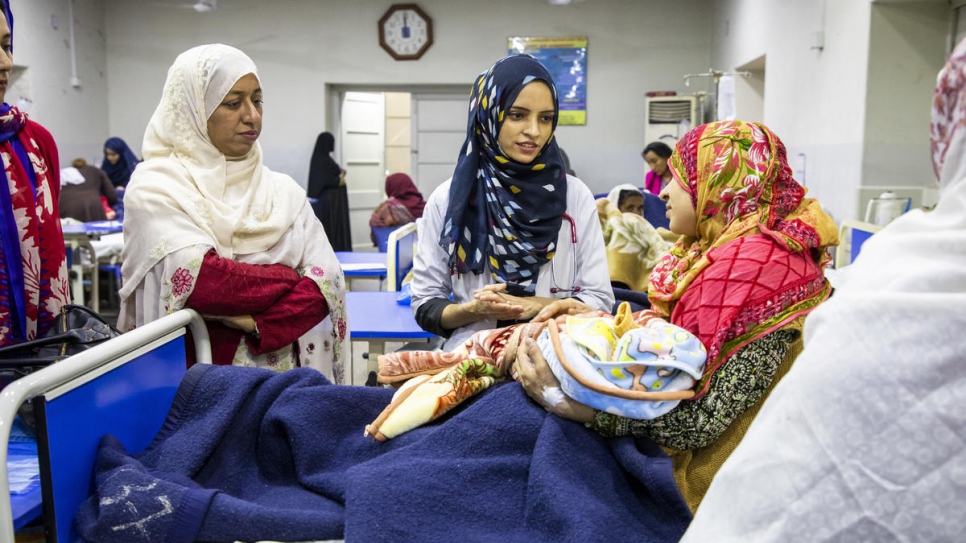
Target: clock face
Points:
(405, 32)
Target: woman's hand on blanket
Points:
(522, 332)
(567, 306)
(245, 323)
(533, 372)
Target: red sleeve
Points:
(287, 319)
(107, 188)
(224, 342)
(228, 287)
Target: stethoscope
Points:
(574, 288)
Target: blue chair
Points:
(655, 211)
(381, 233)
(852, 235)
(399, 256)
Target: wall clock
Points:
(405, 31)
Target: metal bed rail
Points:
(55, 375)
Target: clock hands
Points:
(405, 31)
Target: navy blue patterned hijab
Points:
(504, 213)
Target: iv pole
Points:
(716, 75)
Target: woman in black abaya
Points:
(327, 189)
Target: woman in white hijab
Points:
(627, 198)
(865, 438)
(208, 226)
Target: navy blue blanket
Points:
(246, 454)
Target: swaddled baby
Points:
(637, 365)
(639, 372)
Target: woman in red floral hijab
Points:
(746, 271)
(768, 242)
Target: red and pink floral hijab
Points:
(753, 218)
(740, 184)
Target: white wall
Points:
(76, 116)
(837, 106)
(301, 46)
(858, 109)
(907, 50)
(813, 99)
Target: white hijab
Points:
(615, 193)
(188, 191)
(865, 438)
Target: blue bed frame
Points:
(123, 387)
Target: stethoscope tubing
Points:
(574, 288)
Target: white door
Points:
(362, 156)
(439, 128)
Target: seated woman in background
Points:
(82, 187)
(33, 261)
(627, 198)
(510, 233)
(119, 163)
(404, 204)
(213, 229)
(656, 154)
(748, 268)
(634, 247)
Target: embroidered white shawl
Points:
(187, 196)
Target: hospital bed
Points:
(126, 386)
(90, 394)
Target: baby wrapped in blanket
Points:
(633, 364)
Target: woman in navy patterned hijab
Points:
(510, 236)
(509, 192)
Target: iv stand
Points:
(716, 75)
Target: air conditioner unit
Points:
(667, 118)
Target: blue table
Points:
(92, 229)
(362, 264)
(375, 317)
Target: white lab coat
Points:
(432, 278)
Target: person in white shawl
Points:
(865, 438)
(627, 199)
(208, 226)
